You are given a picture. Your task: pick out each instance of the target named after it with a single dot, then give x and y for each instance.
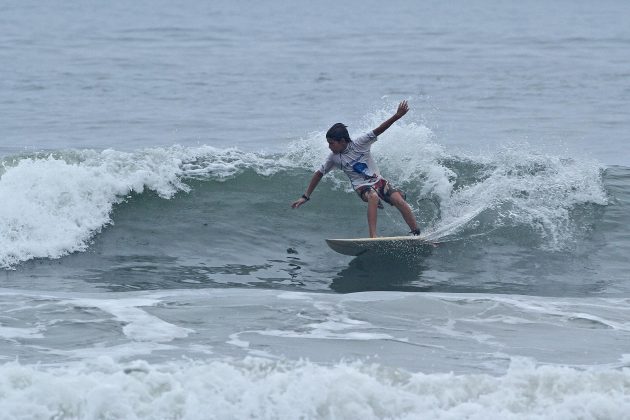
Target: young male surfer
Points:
(354, 158)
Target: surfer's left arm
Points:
(403, 107)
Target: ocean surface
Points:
(151, 266)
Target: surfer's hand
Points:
(403, 107)
(297, 203)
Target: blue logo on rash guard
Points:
(360, 168)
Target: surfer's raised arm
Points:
(403, 107)
(317, 176)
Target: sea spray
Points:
(519, 187)
(259, 388)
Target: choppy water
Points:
(149, 256)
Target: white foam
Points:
(53, 205)
(336, 325)
(326, 333)
(255, 388)
(12, 332)
(564, 312)
(526, 188)
(235, 340)
(124, 351)
(138, 325)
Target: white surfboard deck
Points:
(382, 245)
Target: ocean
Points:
(151, 266)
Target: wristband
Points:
(305, 197)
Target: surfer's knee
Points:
(372, 197)
(367, 194)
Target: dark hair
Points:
(338, 132)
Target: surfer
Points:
(355, 159)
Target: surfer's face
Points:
(337, 146)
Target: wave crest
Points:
(53, 204)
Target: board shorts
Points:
(383, 189)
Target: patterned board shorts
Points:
(383, 189)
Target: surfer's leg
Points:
(403, 207)
(372, 213)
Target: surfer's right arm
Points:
(317, 176)
(403, 107)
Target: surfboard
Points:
(382, 245)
